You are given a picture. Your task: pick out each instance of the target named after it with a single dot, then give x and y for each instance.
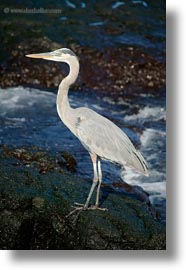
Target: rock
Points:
(38, 202)
(35, 207)
(117, 69)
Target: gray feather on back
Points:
(101, 136)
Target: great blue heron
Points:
(101, 137)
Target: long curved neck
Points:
(63, 106)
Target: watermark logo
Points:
(8, 10)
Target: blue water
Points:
(107, 23)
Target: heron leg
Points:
(100, 180)
(95, 179)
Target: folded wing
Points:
(101, 136)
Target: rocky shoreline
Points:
(117, 70)
(35, 204)
(107, 65)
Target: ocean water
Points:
(29, 117)
(133, 23)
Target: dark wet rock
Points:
(115, 70)
(68, 161)
(16, 69)
(34, 207)
(39, 159)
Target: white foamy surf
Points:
(18, 98)
(153, 142)
(153, 113)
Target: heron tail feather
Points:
(139, 163)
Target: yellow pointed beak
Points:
(40, 55)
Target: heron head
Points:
(60, 55)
